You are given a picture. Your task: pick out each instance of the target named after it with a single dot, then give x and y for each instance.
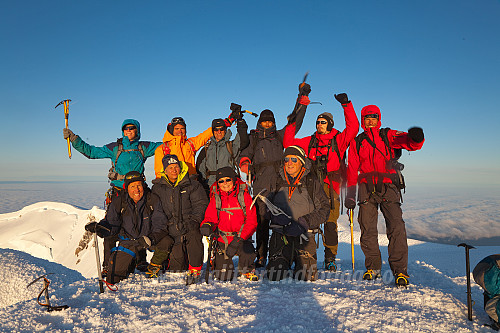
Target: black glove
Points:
(67, 133)
(280, 219)
(144, 242)
(304, 89)
(241, 124)
(294, 229)
(206, 229)
(416, 134)
(350, 198)
(96, 228)
(236, 114)
(233, 247)
(342, 98)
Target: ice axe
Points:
(467, 264)
(66, 116)
(252, 113)
(45, 290)
(351, 223)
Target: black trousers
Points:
(187, 251)
(262, 232)
(224, 268)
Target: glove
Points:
(342, 98)
(294, 229)
(67, 133)
(233, 247)
(206, 229)
(304, 100)
(236, 113)
(97, 229)
(350, 198)
(144, 242)
(244, 164)
(416, 134)
(304, 89)
(280, 220)
(241, 124)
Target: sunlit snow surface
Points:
(41, 238)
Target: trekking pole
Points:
(351, 213)
(98, 261)
(467, 267)
(66, 116)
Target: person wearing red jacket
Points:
(373, 166)
(230, 214)
(326, 148)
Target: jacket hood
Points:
(136, 124)
(370, 109)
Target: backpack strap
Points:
(166, 148)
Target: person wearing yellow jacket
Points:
(176, 142)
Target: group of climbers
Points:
(296, 185)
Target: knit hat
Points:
(226, 172)
(169, 159)
(266, 115)
(218, 123)
(329, 118)
(132, 176)
(297, 151)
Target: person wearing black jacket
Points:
(262, 159)
(137, 217)
(184, 202)
(304, 207)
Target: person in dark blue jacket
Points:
(136, 216)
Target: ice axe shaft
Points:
(252, 113)
(66, 117)
(98, 261)
(467, 267)
(351, 223)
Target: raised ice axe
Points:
(66, 116)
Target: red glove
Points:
(245, 161)
(304, 100)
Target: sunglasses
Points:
(294, 159)
(129, 128)
(323, 122)
(372, 116)
(224, 180)
(219, 129)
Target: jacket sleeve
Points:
(241, 140)
(159, 221)
(290, 140)
(202, 138)
(398, 139)
(211, 214)
(113, 220)
(251, 222)
(247, 153)
(351, 128)
(92, 152)
(322, 207)
(199, 202)
(150, 147)
(352, 164)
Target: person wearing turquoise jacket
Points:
(130, 157)
(126, 154)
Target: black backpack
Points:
(341, 174)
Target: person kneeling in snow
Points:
(230, 214)
(300, 196)
(184, 202)
(140, 223)
(487, 275)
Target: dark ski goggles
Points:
(373, 115)
(294, 159)
(178, 120)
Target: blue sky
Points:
(435, 64)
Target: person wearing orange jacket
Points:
(230, 214)
(373, 166)
(176, 142)
(326, 148)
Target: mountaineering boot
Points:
(260, 262)
(142, 266)
(152, 271)
(330, 264)
(193, 276)
(402, 280)
(371, 274)
(251, 276)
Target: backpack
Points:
(112, 174)
(397, 178)
(203, 154)
(319, 168)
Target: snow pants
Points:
(122, 257)
(331, 238)
(262, 232)
(389, 201)
(187, 252)
(224, 268)
(286, 250)
(110, 243)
